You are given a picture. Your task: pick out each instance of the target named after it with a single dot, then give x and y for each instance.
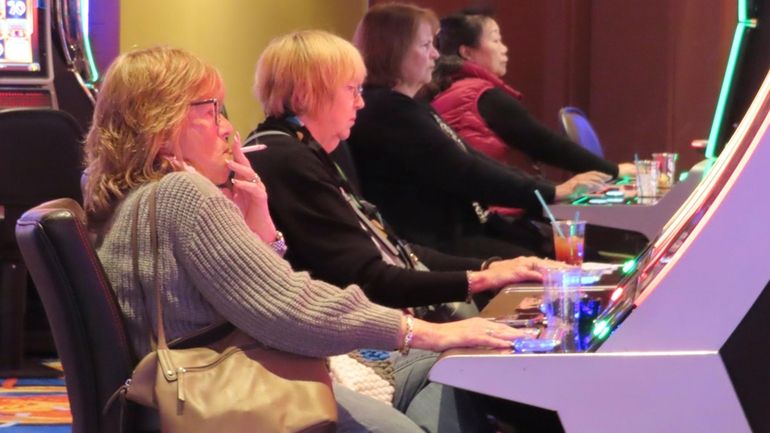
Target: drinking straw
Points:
(549, 213)
(636, 158)
(574, 226)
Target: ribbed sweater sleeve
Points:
(211, 264)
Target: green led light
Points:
(600, 329)
(629, 266)
(727, 82)
(605, 332)
(743, 9)
(581, 200)
(683, 176)
(87, 41)
(624, 181)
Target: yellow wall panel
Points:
(231, 34)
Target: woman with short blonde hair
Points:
(327, 232)
(296, 72)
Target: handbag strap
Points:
(155, 277)
(201, 337)
(157, 286)
(135, 267)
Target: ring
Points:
(490, 331)
(254, 180)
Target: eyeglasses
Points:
(219, 109)
(355, 90)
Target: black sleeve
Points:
(435, 160)
(438, 261)
(325, 238)
(512, 122)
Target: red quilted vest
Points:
(458, 106)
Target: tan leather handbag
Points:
(234, 385)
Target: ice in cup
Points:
(646, 178)
(569, 241)
(666, 168)
(561, 297)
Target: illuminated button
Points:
(629, 266)
(616, 294)
(601, 329)
(528, 345)
(614, 193)
(597, 201)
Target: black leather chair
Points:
(40, 155)
(576, 126)
(86, 322)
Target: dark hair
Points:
(461, 28)
(383, 37)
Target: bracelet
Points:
(279, 245)
(408, 336)
(485, 264)
(471, 281)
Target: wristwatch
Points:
(279, 245)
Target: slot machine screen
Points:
(23, 41)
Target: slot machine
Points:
(618, 207)
(681, 341)
(747, 63)
(26, 68)
(45, 57)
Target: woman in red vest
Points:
(470, 96)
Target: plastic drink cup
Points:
(666, 167)
(569, 247)
(561, 297)
(646, 178)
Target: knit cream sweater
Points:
(213, 267)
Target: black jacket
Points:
(324, 235)
(509, 119)
(422, 180)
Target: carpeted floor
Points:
(34, 406)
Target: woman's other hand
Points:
(582, 183)
(249, 194)
(626, 169)
(504, 272)
(476, 332)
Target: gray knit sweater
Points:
(213, 267)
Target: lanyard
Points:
(396, 250)
(481, 212)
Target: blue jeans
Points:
(418, 405)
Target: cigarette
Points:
(253, 148)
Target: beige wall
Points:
(231, 34)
